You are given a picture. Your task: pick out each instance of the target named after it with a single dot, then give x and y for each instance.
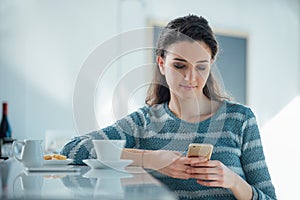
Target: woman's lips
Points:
(189, 87)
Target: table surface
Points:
(131, 183)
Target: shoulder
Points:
(235, 113)
(233, 108)
(241, 118)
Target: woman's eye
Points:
(179, 66)
(201, 68)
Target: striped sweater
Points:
(232, 130)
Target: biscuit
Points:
(47, 157)
(55, 157)
(58, 157)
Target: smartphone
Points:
(197, 149)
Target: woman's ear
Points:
(161, 63)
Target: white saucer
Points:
(57, 162)
(99, 164)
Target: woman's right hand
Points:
(170, 163)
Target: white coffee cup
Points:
(109, 150)
(32, 153)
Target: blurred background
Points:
(44, 43)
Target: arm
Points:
(81, 147)
(137, 155)
(170, 163)
(240, 188)
(253, 161)
(257, 184)
(150, 159)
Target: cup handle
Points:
(13, 149)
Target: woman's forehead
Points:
(190, 51)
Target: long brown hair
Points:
(188, 28)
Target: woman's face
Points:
(186, 68)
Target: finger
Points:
(175, 173)
(204, 170)
(210, 163)
(186, 160)
(180, 168)
(181, 165)
(196, 160)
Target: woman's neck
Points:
(192, 110)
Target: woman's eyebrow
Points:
(183, 60)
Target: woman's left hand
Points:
(212, 173)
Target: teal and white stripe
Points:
(232, 130)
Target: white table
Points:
(134, 183)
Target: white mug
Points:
(109, 150)
(31, 154)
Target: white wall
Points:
(44, 43)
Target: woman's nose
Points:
(190, 75)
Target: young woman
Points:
(185, 105)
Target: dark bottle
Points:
(5, 130)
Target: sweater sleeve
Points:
(253, 160)
(127, 128)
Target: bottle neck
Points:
(4, 109)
